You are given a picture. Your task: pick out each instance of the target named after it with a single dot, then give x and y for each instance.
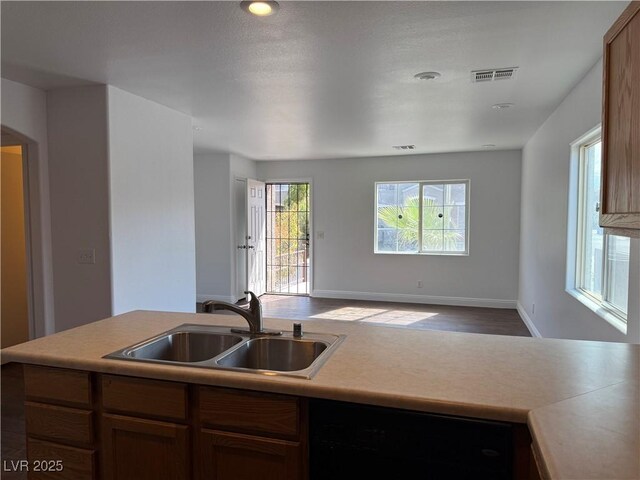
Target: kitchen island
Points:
(579, 398)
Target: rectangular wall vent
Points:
(404, 147)
(491, 74)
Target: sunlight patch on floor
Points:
(349, 314)
(375, 315)
(399, 317)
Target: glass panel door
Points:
(288, 237)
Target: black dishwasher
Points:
(352, 441)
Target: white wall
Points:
(78, 173)
(343, 208)
(24, 112)
(213, 232)
(543, 243)
(151, 205)
(215, 175)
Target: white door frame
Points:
(312, 235)
(256, 242)
(234, 240)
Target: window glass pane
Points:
(408, 240)
(408, 194)
(454, 217)
(408, 218)
(432, 240)
(618, 271)
(387, 194)
(592, 234)
(432, 218)
(433, 195)
(397, 217)
(455, 194)
(387, 240)
(388, 216)
(454, 240)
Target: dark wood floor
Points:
(495, 321)
(402, 315)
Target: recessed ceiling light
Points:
(501, 106)
(260, 9)
(427, 75)
(488, 145)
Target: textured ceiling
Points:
(319, 79)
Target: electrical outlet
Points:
(87, 256)
(320, 235)
(419, 283)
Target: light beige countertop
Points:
(580, 398)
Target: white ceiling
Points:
(319, 79)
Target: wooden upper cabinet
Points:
(620, 205)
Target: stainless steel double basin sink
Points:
(219, 348)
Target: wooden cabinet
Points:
(63, 424)
(263, 414)
(235, 456)
(131, 396)
(248, 435)
(140, 449)
(620, 202)
(73, 463)
(112, 427)
(60, 424)
(58, 386)
(126, 428)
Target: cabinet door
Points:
(234, 456)
(137, 449)
(620, 206)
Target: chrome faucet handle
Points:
(252, 313)
(255, 307)
(254, 302)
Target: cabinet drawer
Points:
(57, 385)
(77, 463)
(68, 425)
(250, 412)
(144, 397)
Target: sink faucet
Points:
(252, 314)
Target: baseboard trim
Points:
(527, 321)
(221, 298)
(409, 298)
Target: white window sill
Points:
(441, 254)
(597, 308)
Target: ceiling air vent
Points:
(482, 76)
(404, 147)
(489, 75)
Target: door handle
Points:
(242, 247)
(250, 246)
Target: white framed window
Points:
(601, 260)
(427, 217)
